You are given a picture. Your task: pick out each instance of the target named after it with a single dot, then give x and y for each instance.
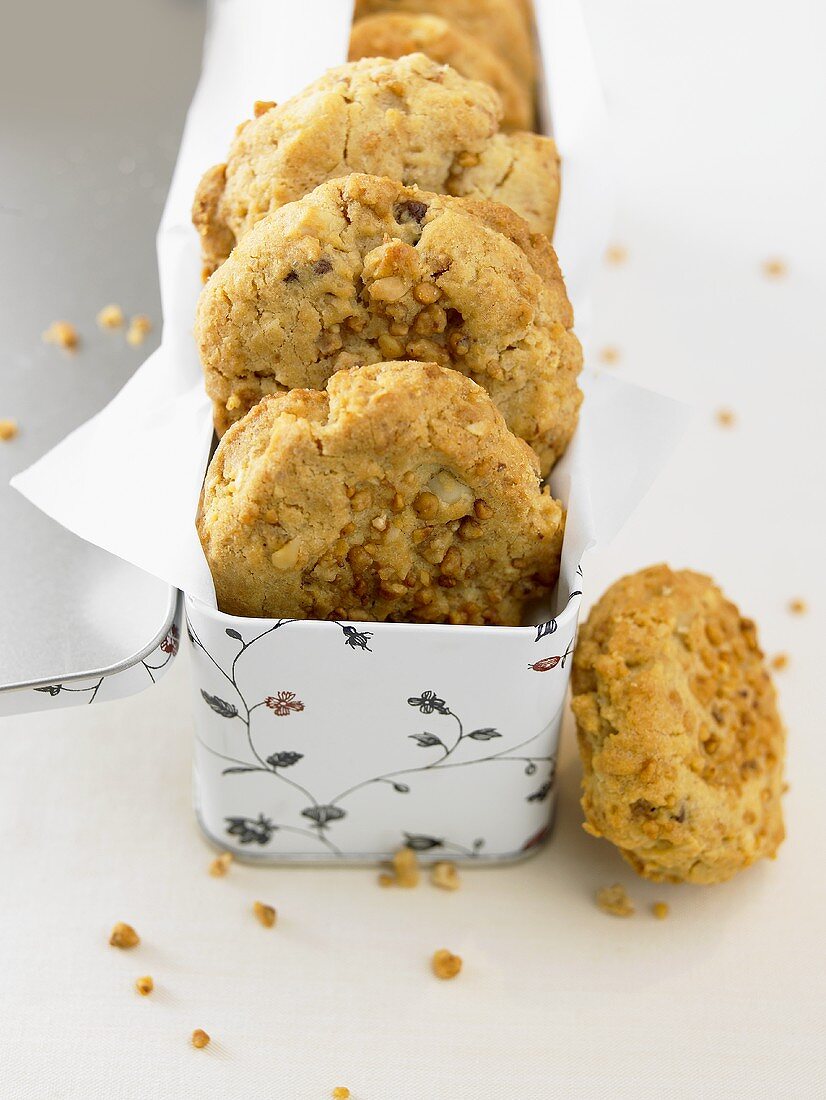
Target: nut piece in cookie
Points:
(410, 119)
(395, 34)
(681, 741)
(365, 269)
(399, 495)
(504, 26)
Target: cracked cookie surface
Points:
(395, 34)
(365, 269)
(503, 25)
(396, 495)
(681, 741)
(410, 119)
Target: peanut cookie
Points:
(399, 494)
(503, 26)
(365, 269)
(396, 34)
(680, 737)
(410, 118)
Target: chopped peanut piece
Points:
(139, 328)
(445, 876)
(124, 935)
(341, 1093)
(725, 418)
(798, 607)
(780, 662)
(406, 867)
(110, 316)
(200, 1039)
(610, 354)
(265, 914)
(62, 334)
(615, 901)
(8, 430)
(774, 268)
(445, 965)
(616, 254)
(262, 106)
(220, 865)
(660, 910)
(144, 986)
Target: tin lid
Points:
(84, 179)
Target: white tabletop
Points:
(722, 166)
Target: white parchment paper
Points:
(129, 479)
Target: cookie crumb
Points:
(200, 1039)
(62, 334)
(610, 354)
(446, 965)
(341, 1092)
(220, 865)
(445, 876)
(265, 914)
(725, 418)
(616, 254)
(660, 910)
(124, 935)
(775, 268)
(406, 868)
(780, 662)
(139, 328)
(615, 901)
(8, 430)
(144, 986)
(110, 316)
(262, 106)
(798, 606)
(386, 879)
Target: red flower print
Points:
(170, 643)
(283, 703)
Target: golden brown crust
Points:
(364, 270)
(501, 24)
(680, 737)
(410, 119)
(399, 494)
(394, 34)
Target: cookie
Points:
(365, 269)
(396, 495)
(396, 34)
(681, 741)
(502, 25)
(410, 118)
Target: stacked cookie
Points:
(386, 336)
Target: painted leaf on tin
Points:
(421, 843)
(234, 634)
(226, 710)
(484, 735)
(426, 740)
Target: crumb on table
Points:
(774, 268)
(200, 1039)
(341, 1092)
(610, 354)
(220, 865)
(780, 661)
(445, 876)
(62, 334)
(124, 935)
(616, 254)
(445, 964)
(265, 914)
(8, 430)
(110, 316)
(139, 328)
(144, 985)
(798, 606)
(405, 870)
(660, 910)
(615, 901)
(725, 418)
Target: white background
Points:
(718, 113)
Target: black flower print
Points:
(284, 759)
(428, 701)
(357, 639)
(322, 815)
(251, 830)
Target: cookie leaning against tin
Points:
(399, 494)
(364, 270)
(500, 24)
(411, 119)
(394, 34)
(681, 740)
